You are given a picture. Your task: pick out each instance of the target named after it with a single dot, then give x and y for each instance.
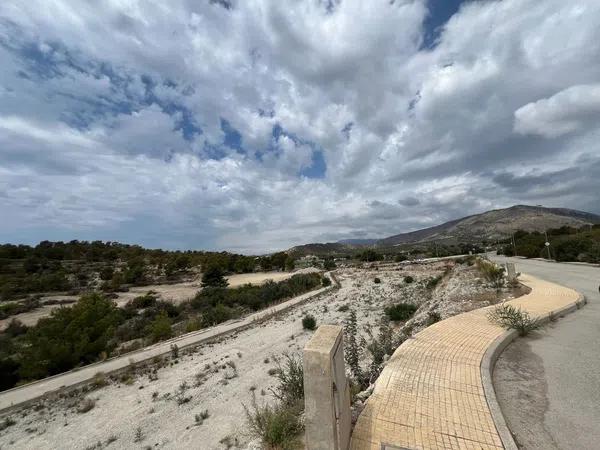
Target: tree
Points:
(70, 336)
(213, 277)
(290, 263)
(160, 328)
(329, 264)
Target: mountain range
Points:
(489, 226)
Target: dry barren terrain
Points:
(196, 400)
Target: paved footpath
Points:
(431, 394)
(37, 389)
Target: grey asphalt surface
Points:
(548, 385)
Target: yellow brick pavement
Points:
(430, 394)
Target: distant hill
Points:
(320, 249)
(358, 241)
(496, 224)
(489, 226)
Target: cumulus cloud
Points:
(565, 112)
(257, 125)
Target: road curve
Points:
(564, 357)
(24, 394)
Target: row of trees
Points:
(566, 244)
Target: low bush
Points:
(400, 311)
(408, 279)
(325, 281)
(491, 272)
(290, 373)
(511, 317)
(277, 426)
(433, 317)
(309, 322)
(376, 280)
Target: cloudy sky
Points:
(255, 125)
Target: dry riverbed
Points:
(196, 400)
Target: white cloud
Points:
(565, 112)
(95, 101)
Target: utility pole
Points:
(514, 245)
(547, 244)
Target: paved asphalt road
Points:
(554, 378)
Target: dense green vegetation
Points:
(79, 266)
(95, 328)
(566, 244)
(400, 311)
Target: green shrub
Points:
(290, 373)
(491, 272)
(309, 322)
(325, 281)
(160, 328)
(433, 317)
(345, 307)
(278, 426)
(511, 317)
(408, 279)
(400, 311)
(376, 280)
(213, 277)
(433, 282)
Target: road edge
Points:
(488, 364)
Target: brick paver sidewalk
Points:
(430, 395)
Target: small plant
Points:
(7, 422)
(345, 307)
(112, 438)
(510, 317)
(433, 317)
(309, 322)
(491, 272)
(400, 311)
(325, 282)
(272, 371)
(290, 374)
(377, 280)
(87, 404)
(433, 282)
(277, 426)
(229, 442)
(408, 279)
(99, 380)
(174, 351)
(139, 435)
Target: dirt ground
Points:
(220, 378)
(176, 293)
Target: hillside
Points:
(489, 226)
(496, 224)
